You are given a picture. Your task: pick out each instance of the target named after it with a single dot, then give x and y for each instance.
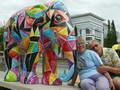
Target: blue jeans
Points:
(95, 82)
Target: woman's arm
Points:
(107, 75)
(73, 79)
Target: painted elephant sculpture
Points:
(34, 32)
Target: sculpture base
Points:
(20, 86)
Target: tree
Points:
(111, 38)
(114, 36)
(106, 40)
(2, 28)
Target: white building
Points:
(118, 36)
(105, 30)
(90, 27)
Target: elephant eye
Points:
(58, 19)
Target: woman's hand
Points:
(107, 75)
(70, 84)
(111, 85)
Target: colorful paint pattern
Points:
(36, 31)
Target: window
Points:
(87, 31)
(88, 38)
(80, 31)
(98, 33)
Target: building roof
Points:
(105, 24)
(88, 14)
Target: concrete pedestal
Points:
(20, 86)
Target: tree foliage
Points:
(2, 28)
(111, 38)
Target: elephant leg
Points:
(13, 73)
(50, 75)
(24, 73)
(31, 63)
(8, 61)
(26, 67)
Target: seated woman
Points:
(87, 63)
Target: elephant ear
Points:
(37, 10)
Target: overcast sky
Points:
(107, 9)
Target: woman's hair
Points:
(80, 40)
